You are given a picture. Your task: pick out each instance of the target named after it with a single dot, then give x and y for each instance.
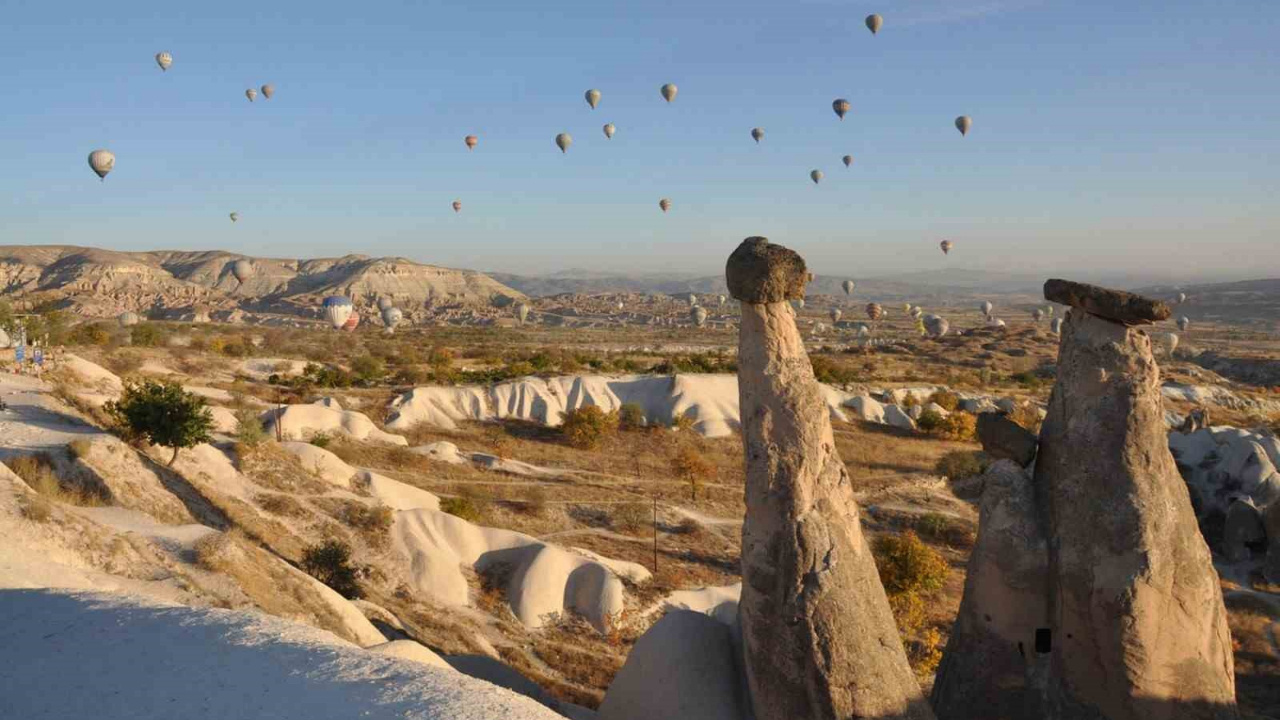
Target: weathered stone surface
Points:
(761, 272)
(1139, 628)
(1004, 438)
(1242, 528)
(1271, 521)
(897, 417)
(990, 664)
(1117, 305)
(685, 666)
(819, 638)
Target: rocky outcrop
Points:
(1138, 628)
(1004, 438)
(1241, 530)
(819, 638)
(1118, 306)
(993, 666)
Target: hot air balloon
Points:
(242, 269)
(757, 134)
(963, 123)
(563, 141)
(457, 206)
(874, 311)
(986, 307)
(1182, 297)
(863, 330)
(164, 60)
(691, 299)
(721, 300)
(946, 246)
(593, 98)
(1183, 323)
(251, 94)
(471, 141)
(609, 130)
(102, 162)
(916, 311)
(906, 308)
(337, 310)
(699, 315)
(665, 204)
(873, 23)
(235, 216)
(1055, 326)
(268, 91)
(128, 318)
(800, 304)
(848, 286)
(1037, 314)
(385, 303)
(391, 317)
(815, 176)
(352, 322)
(847, 160)
(841, 106)
(669, 92)
(835, 315)
(936, 325)
(522, 311)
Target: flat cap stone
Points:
(759, 272)
(1003, 438)
(1115, 305)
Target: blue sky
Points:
(1138, 136)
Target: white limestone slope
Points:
(306, 421)
(709, 401)
(156, 661)
(544, 580)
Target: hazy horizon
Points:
(1107, 141)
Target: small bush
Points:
(536, 502)
(691, 527)
(321, 440)
(961, 464)
(79, 448)
(909, 401)
(930, 421)
(945, 399)
(145, 335)
(940, 528)
(462, 507)
(586, 426)
(906, 564)
(630, 416)
(249, 430)
(691, 467)
(330, 563)
(632, 517)
(90, 334)
(683, 423)
(280, 504)
(36, 509)
(958, 426)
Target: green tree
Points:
(330, 563)
(164, 414)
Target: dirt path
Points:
(34, 420)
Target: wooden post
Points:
(655, 534)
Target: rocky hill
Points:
(101, 283)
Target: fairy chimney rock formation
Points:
(1139, 631)
(819, 639)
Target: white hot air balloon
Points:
(102, 162)
(986, 307)
(1184, 322)
(1182, 297)
(1055, 326)
(242, 270)
(699, 315)
(963, 123)
(800, 304)
(164, 60)
(251, 93)
(609, 130)
(835, 315)
(669, 91)
(1037, 315)
(522, 311)
(936, 325)
(391, 317)
(848, 286)
(337, 310)
(721, 300)
(128, 318)
(563, 141)
(593, 98)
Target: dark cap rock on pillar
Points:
(1115, 305)
(759, 273)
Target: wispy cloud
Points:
(934, 12)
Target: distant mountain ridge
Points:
(100, 283)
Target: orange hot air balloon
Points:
(471, 141)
